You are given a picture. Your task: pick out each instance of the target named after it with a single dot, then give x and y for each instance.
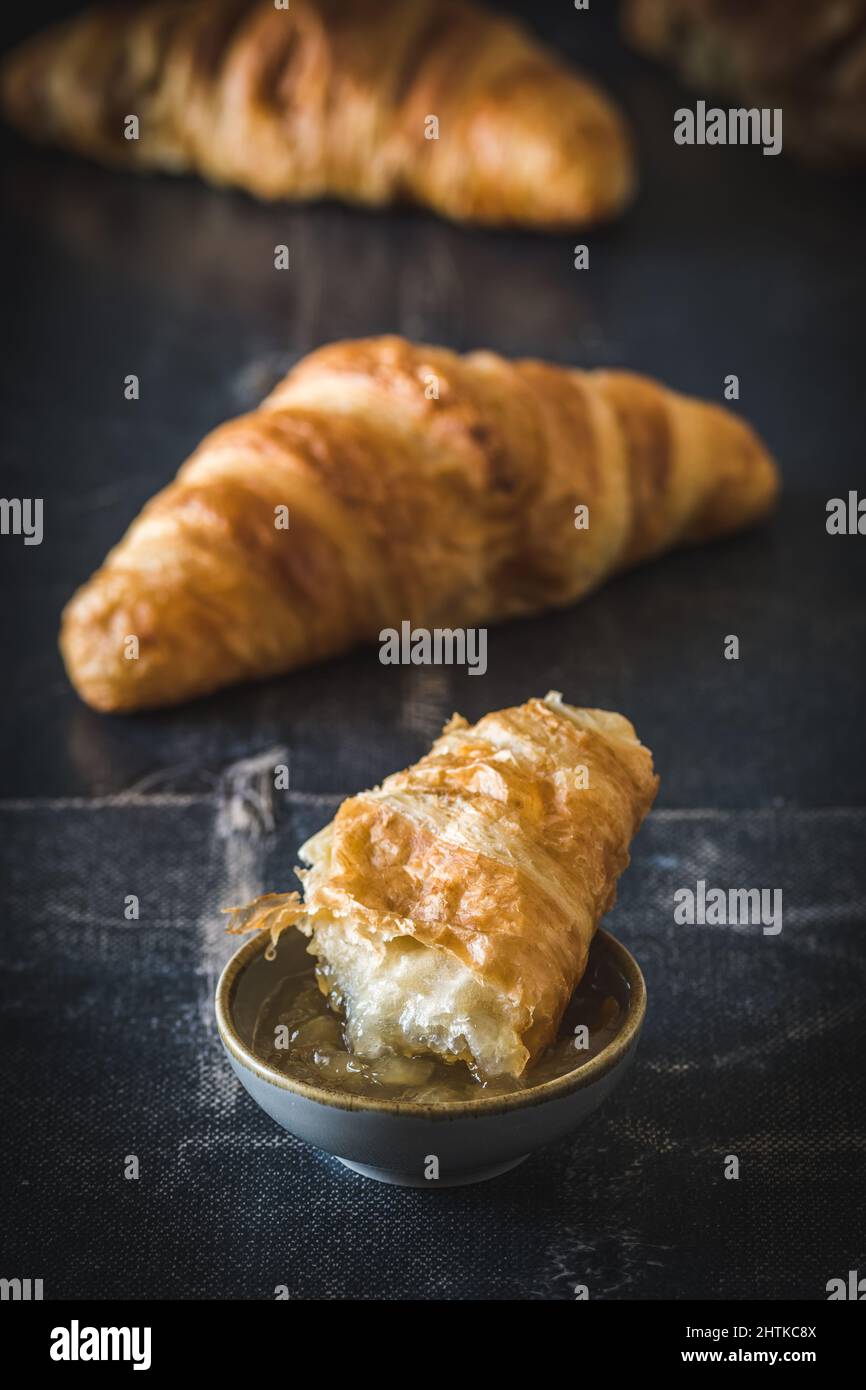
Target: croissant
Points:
(451, 909)
(808, 58)
(439, 102)
(382, 482)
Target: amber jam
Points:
(297, 1033)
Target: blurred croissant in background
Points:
(805, 56)
(437, 102)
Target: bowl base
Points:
(398, 1179)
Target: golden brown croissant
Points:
(451, 910)
(807, 58)
(417, 485)
(332, 98)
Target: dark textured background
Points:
(729, 262)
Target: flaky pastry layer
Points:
(451, 909)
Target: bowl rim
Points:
(581, 1076)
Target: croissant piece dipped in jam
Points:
(451, 910)
(300, 1033)
(454, 508)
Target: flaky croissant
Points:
(451, 910)
(382, 482)
(332, 98)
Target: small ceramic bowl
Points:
(396, 1141)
